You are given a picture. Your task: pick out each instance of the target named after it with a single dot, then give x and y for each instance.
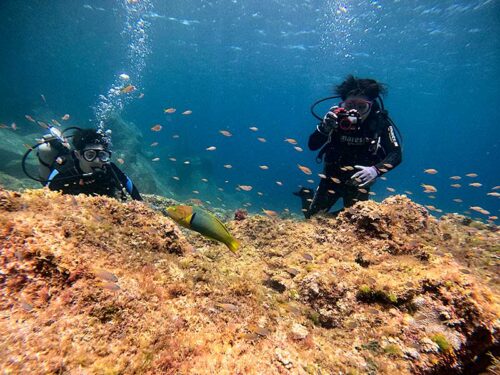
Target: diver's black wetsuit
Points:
(374, 144)
(70, 179)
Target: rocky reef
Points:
(92, 285)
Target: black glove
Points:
(330, 121)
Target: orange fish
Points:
(455, 178)
(155, 159)
(299, 149)
(456, 185)
(263, 167)
(304, 169)
(172, 159)
(321, 175)
(279, 183)
(471, 174)
(245, 187)
(3, 126)
(120, 160)
(291, 141)
(336, 180)
(225, 133)
(141, 95)
(211, 148)
(55, 122)
(253, 128)
(156, 128)
(458, 200)
(228, 166)
(13, 126)
(392, 190)
(188, 112)
(128, 89)
(430, 171)
(29, 118)
(475, 184)
(263, 140)
(169, 110)
(154, 144)
(429, 188)
(270, 213)
(480, 210)
(65, 117)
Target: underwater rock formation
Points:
(93, 285)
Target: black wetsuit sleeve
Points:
(392, 148)
(317, 140)
(127, 183)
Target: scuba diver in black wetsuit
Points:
(85, 170)
(358, 144)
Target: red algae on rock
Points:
(93, 285)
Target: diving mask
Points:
(91, 154)
(360, 105)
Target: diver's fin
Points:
(305, 196)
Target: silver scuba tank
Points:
(52, 145)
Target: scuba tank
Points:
(52, 147)
(50, 150)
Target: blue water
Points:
(243, 63)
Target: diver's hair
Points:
(84, 137)
(353, 86)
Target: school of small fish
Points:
(429, 189)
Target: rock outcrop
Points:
(94, 285)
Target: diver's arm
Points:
(392, 148)
(127, 183)
(317, 139)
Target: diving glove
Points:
(329, 122)
(365, 175)
(331, 119)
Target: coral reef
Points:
(240, 214)
(96, 286)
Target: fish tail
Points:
(233, 245)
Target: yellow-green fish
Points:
(204, 223)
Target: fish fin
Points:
(220, 222)
(233, 245)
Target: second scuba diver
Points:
(357, 143)
(87, 169)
